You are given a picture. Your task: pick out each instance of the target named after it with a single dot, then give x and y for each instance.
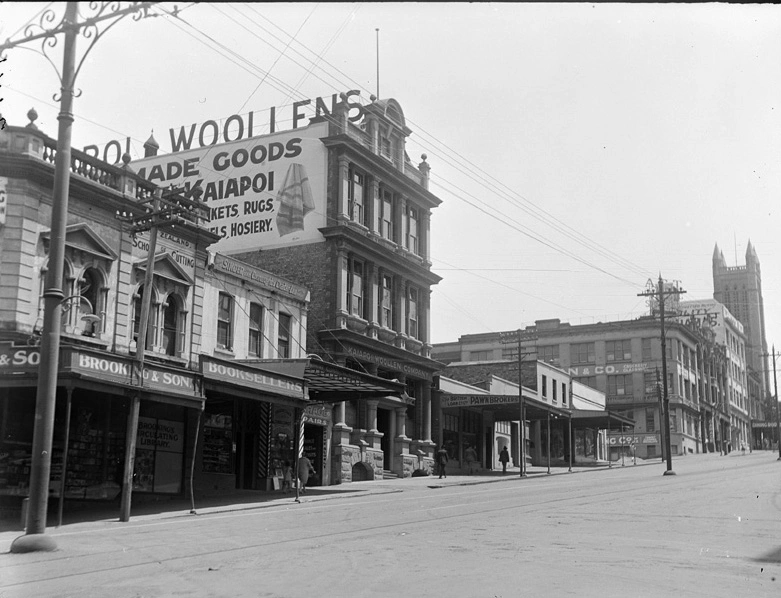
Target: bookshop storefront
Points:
(249, 426)
(94, 396)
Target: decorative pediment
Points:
(166, 267)
(81, 237)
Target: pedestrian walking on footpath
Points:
(287, 477)
(504, 458)
(442, 461)
(471, 458)
(304, 469)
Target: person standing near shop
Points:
(471, 458)
(304, 469)
(504, 458)
(442, 461)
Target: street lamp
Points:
(35, 538)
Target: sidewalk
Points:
(146, 508)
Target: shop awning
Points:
(504, 407)
(330, 383)
(600, 419)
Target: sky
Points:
(578, 149)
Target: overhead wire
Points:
(482, 176)
(553, 246)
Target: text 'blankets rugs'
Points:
(295, 200)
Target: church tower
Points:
(740, 289)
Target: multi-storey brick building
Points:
(623, 359)
(223, 385)
(99, 378)
(369, 273)
(336, 207)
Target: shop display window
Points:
(218, 441)
(159, 449)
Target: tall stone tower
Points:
(740, 289)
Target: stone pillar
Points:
(371, 415)
(424, 235)
(424, 312)
(341, 286)
(373, 275)
(400, 307)
(341, 431)
(426, 397)
(342, 201)
(401, 422)
(375, 202)
(402, 240)
(404, 463)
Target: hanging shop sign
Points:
(477, 400)
(250, 377)
(317, 414)
(16, 360)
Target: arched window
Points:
(89, 302)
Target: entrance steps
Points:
(389, 475)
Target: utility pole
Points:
(661, 413)
(35, 538)
(661, 294)
(775, 391)
(166, 208)
(506, 336)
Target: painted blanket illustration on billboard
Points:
(295, 200)
(263, 192)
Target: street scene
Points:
(711, 530)
(355, 299)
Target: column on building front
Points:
(423, 446)
(403, 223)
(404, 463)
(372, 315)
(343, 204)
(373, 439)
(424, 311)
(375, 204)
(400, 308)
(423, 241)
(341, 286)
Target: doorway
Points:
(386, 442)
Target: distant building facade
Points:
(623, 359)
(739, 288)
(367, 263)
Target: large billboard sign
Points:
(263, 192)
(709, 313)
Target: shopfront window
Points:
(217, 453)
(159, 450)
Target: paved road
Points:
(712, 530)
